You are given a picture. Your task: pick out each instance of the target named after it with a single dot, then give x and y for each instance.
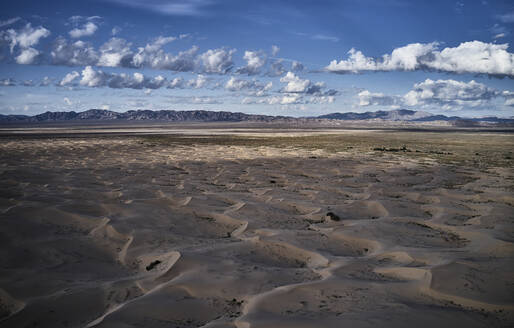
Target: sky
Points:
(277, 57)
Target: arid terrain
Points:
(256, 228)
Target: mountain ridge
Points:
(225, 116)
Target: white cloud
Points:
(194, 100)
(234, 84)
(296, 66)
(87, 29)
(78, 19)
(274, 50)
(184, 61)
(324, 37)
(255, 60)
(92, 78)
(7, 82)
(322, 100)
(449, 92)
(367, 98)
(46, 81)
(274, 100)
(290, 99)
(176, 7)
(69, 78)
(177, 82)
(216, 60)
(197, 83)
(277, 68)
(507, 18)
(115, 30)
(150, 55)
(67, 101)
(78, 53)
(25, 37)
(468, 57)
(445, 94)
(294, 83)
(114, 53)
(9, 21)
(27, 56)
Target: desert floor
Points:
(246, 229)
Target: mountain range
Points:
(213, 116)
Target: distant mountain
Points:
(140, 115)
(415, 116)
(393, 115)
(400, 115)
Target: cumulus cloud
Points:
(255, 60)
(509, 97)
(296, 91)
(114, 53)
(7, 82)
(117, 52)
(469, 57)
(24, 40)
(87, 29)
(274, 100)
(98, 78)
(288, 99)
(67, 101)
(234, 84)
(175, 83)
(152, 55)
(27, 56)
(449, 92)
(295, 84)
(296, 66)
(92, 78)
(199, 82)
(276, 68)
(46, 81)
(25, 37)
(367, 98)
(445, 94)
(69, 78)
(216, 60)
(76, 53)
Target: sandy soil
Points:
(131, 232)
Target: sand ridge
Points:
(235, 236)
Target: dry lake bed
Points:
(256, 228)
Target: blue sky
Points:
(296, 58)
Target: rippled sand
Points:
(127, 232)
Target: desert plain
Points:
(233, 227)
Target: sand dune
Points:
(126, 232)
